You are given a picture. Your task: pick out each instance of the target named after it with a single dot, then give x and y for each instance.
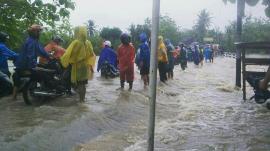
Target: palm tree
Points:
(91, 27)
(203, 24)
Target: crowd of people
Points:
(79, 59)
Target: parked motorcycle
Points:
(108, 70)
(45, 82)
(260, 96)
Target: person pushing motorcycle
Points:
(27, 59)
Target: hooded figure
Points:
(31, 49)
(207, 53)
(5, 54)
(27, 59)
(126, 58)
(144, 58)
(162, 51)
(162, 59)
(170, 50)
(196, 55)
(81, 57)
(183, 56)
(107, 55)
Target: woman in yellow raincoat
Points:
(162, 59)
(81, 57)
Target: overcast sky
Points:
(121, 13)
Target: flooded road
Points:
(197, 111)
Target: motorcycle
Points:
(108, 70)
(45, 82)
(260, 96)
(5, 85)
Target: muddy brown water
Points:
(198, 111)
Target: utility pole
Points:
(240, 15)
(153, 73)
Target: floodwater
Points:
(197, 111)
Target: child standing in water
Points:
(126, 59)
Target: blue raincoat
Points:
(170, 49)
(196, 55)
(6, 54)
(109, 55)
(143, 55)
(30, 50)
(207, 53)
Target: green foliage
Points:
(136, 30)
(202, 25)
(256, 30)
(253, 30)
(17, 15)
(64, 30)
(169, 29)
(91, 27)
(97, 43)
(111, 34)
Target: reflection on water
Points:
(198, 110)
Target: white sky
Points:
(121, 13)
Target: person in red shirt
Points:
(55, 48)
(126, 59)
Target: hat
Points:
(107, 43)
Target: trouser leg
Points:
(130, 84)
(160, 71)
(122, 83)
(82, 91)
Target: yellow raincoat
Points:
(162, 51)
(80, 55)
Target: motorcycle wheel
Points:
(28, 94)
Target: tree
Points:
(91, 27)
(202, 25)
(136, 30)
(112, 34)
(169, 29)
(96, 41)
(17, 15)
(253, 30)
(64, 30)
